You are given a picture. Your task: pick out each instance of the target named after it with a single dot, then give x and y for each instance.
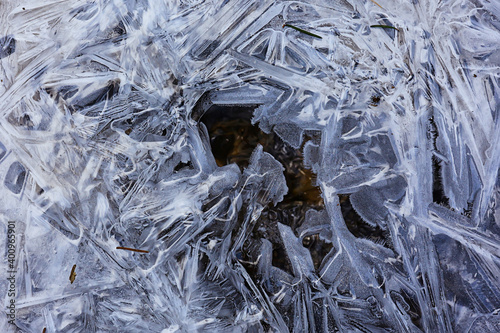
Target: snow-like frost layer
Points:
(101, 147)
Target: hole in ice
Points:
(233, 138)
(232, 135)
(360, 228)
(280, 259)
(317, 247)
(438, 195)
(375, 100)
(118, 30)
(182, 166)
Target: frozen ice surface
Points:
(116, 130)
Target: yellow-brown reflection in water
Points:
(233, 141)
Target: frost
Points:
(203, 166)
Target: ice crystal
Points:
(282, 166)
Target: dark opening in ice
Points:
(438, 195)
(360, 228)
(233, 138)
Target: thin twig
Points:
(377, 4)
(383, 26)
(130, 249)
(301, 30)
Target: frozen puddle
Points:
(250, 166)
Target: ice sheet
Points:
(105, 144)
